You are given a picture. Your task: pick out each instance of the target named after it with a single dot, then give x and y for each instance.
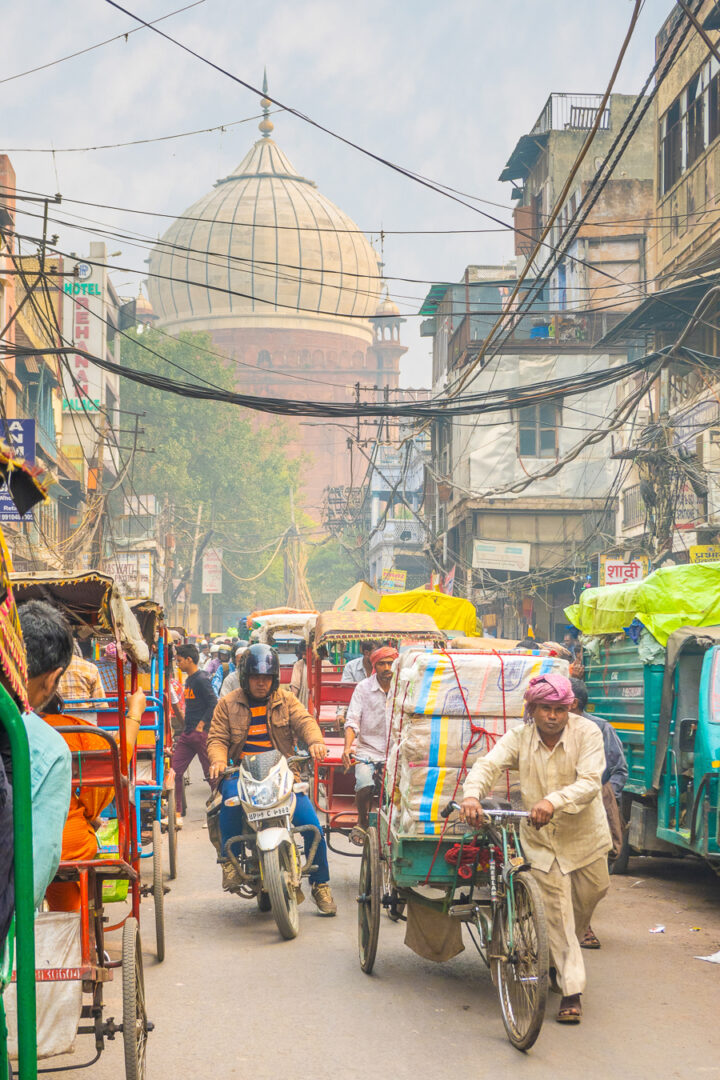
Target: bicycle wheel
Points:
(172, 834)
(520, 961)
(135, 1025)
(158, 891)
(369, 901)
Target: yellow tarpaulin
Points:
(449, 612)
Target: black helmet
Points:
(260, 660)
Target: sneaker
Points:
(230, 880)
(323, 898)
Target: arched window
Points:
(264, 358)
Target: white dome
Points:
(285, 253)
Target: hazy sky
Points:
(443, 89)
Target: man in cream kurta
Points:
(560, 758)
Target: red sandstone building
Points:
(289, 289)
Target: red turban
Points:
(550, 690)
(385, 652)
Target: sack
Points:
(108, 848)
(57, 945)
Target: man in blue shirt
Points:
(49, 645)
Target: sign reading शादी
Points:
(616, 572)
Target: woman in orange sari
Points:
(79, 839)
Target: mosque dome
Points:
(387, 307)
(264, 248)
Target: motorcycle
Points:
(266, 855)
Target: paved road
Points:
(233, 1000)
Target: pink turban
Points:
(549, 690)
(385, 652)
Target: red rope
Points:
(397, 761)
(502, 683)
(477, 732)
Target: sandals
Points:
(570, 1011)
(590, 941)
(357, 836)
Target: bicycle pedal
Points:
(464, 912)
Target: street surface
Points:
(233, 1000)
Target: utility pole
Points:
(189, 583)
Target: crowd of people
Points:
(228, 702)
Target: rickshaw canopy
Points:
(340, 627)
(284, 624)
(92, 604)
(450, 613)
(149, 615)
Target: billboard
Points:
(212, 571)
(617, 572)
(20, 435)
(84, 327)
(393, 581)
(500, 555)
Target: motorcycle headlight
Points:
(264, 793)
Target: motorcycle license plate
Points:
(261, 815)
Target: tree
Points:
(219, 455)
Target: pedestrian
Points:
(560, 758)
(212, 665)
(204, 653)
(200, 700)
(614, 779)
(225, 667)
(298, 679)
(232, 681)
(367, 722)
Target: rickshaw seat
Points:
(336, 693)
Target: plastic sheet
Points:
(451, 613)
(669, 598)
(57, 945)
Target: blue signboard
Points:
(20, 435)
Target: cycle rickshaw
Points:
(329, 697)
(94, 607)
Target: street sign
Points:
(393, 581)
(20, 435)
(212, 571)
(702, 553)
(497, 555)
(616, 572)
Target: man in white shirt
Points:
(560, 758)
(366, 734)
(360, 668)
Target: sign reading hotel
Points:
(84, 327)
(498, 555)
(393, 581)
(617, 572)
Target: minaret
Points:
(387, 347)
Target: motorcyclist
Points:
(261, 716)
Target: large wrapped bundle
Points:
(444, 683)
(436, 739)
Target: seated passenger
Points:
(49, 646)
(360, 668)
(79, 839)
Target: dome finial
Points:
(266, 125)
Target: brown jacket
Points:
(288, 721)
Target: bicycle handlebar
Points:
(497, 815)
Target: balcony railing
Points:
(571, 112)
(399, 532)
(537, 331)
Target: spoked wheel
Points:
(520, 961)
(172, 834)
(135, 1025)
(277, 875)
(263, 901)
(396, 908)
(369, 901)
(158, 891)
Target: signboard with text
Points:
(212, 571)
(84, 325)
(617, 572)
(20, 435)
(500, 555)
(393, 581)
(132, 570)
(703, 553)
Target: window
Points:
(537, 430)
(670, 146)
(695, 121)
(263, 358)
(690, 124)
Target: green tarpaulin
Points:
(668, 599)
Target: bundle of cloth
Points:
(446, 709)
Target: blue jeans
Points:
(232, 823)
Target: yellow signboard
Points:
(702, 553)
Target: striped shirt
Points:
(258, 737)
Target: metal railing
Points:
(633, 507)
(399, 531)
(536, 331)
(571, 112)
